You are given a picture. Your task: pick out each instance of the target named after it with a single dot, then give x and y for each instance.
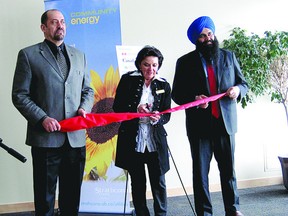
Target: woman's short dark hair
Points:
(148, 51)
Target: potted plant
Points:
(279, 82)
(264, 63)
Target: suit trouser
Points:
(202, 149)
(157, 182)
(65, 164)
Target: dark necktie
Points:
(213, 90)
(62, 62)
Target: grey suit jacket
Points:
(40, 90)
(190, 81)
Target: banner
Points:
(93, 26)
(126, 56)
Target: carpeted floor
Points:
(258, 201)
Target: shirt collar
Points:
(53, 46)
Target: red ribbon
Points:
(102, 119)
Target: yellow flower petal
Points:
(99, 156)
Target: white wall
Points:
(20, 27)
(262, 126)
(162, 23)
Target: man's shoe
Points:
(238, 213)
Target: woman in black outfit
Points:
(143, 141)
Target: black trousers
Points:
(222, 145)
(51, 165)
(157, 182)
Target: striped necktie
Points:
(62, 62)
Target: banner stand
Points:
(93, 26)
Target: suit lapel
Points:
(71, 56)
(48, 55)
(201, 71)
(220, 70)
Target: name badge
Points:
(160, 91)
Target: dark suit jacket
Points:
(127, 99)
(190, 81)
(39, 90)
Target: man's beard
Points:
(210, 51)
(59, 37)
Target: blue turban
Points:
(197, 27)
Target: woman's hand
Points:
(155, 117)
(143, 108)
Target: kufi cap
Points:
(197, 27)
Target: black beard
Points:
(210, 52)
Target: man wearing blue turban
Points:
(211, 127)
(197, 26)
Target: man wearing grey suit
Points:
(211, 128)
(48, 87)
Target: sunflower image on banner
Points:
(93, 26)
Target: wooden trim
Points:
(17, 207)
(217, 187)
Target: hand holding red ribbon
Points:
(102, 119)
